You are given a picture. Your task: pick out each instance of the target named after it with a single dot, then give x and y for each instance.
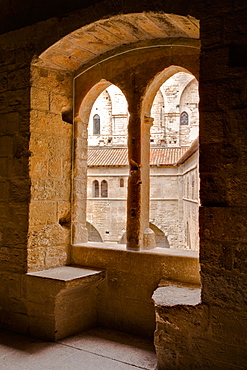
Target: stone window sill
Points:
(157, 250)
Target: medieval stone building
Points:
(56, 59)
(173, 180)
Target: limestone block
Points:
(47, 123)
(4, 162)
(13, 259)
(38, 167)
(42, 213)
(58, 102)
(57, 256)
(43, 189)
(221, 223)
(239, 257)
(221, 289)
(62, 301)
(58, 145)
(18, 215)
(217, 254)
(3, 82)
(172, 295)
(39, 99)
(55, 167)
(58, 81)
(182, 268)
(215, 63)
(211, 30)
(208, 101)
(6, 146)
(80, 169)
(229, 326)
(4, 190)
(166, 358)
(36, 258)
(14, 237)
(80, 189)
(79, 232)
(63, 61)
(216, 132)
(215, 351)
(19, 79)
(149, 239)
(48, 236)
(19, 190)
(38, 144)
(230, 96)
(9, 123)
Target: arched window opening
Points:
(104, 189)
(107, 156)
(96, 124)
(184, 118)
(95, 189)
(177, 134)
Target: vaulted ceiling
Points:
(88, 42)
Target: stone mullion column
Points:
(133, 231)
(139, 182)
(147, 122)
(79, 183)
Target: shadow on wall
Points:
(93, 234)
(160, 238)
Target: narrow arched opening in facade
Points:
(96, 124)
(107, 160)
(172, 161)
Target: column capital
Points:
(148, 120)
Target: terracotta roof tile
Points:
(119, 156)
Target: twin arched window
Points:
(96, 189)
(184, 118)
(96, 124)
(104, 189)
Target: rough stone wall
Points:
(171, 208)
(15, 58)
(216, 337)
(108, 215)
(50, 169)
(189, 203)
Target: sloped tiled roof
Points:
(119, 156)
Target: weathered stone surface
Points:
(223, 186)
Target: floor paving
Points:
(95, 349)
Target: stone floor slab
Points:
(96, 349)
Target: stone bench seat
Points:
(173, 294)
(62, 301)
(179, 318)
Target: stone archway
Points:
(62, 77)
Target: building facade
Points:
(174, 194)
